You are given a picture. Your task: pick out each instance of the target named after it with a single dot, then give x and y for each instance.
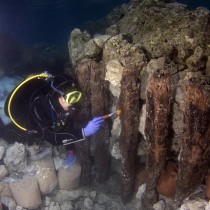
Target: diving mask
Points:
(72, 97)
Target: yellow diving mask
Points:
(73, 97)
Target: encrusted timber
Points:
(156, 130)
(129, 103)
(195, 148)
(83, 71)
(99, 100)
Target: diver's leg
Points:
(11, 134)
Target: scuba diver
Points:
(43, 108)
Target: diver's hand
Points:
(93, 126)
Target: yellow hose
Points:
(13, 93)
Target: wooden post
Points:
(99, 102)
(83, 71)
(156, 130)
(129, 137)
(195, 148)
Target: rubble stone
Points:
(8, 202)
(101, 39)
(15, 158)
(2, 152)
(3, 172)
(88, 203)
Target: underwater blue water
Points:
(52, 20)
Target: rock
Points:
(91, 49)
(2, 152)
(8, 202)
(93, 194)
(67, 206)
(141, 190)
(165, 35)
(198, 204)
(207, 206)
(116, 128)
(100, 40)
(160, 205)
(54, 206)
(120, 48)
(88, 203)
(15, 158)
(33, 150)
(5, 190)
(115, 152)
(102, 198)
(3, 172)
(99, 207)
(112, 30)
(64, 195)
(142, 120)
(20, 208)
(76, 45)
(46, 201)
(4, 144)
(197, 61)
(116, 206)
(114, 75)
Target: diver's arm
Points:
(43, 123)
(40, 117)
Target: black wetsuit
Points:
(44, 119)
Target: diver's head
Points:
(65, 90)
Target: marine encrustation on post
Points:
(195, 148)
(156, 130)
(83, 148)
(99, 100)
(129, 137)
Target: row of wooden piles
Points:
(194, 157)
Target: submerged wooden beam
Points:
(156, 131)
(129, 137)
(195, 148)
(99, 101)
(83, 71)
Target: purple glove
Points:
(93, 126)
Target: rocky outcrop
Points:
(168, 29)
(155, 36)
